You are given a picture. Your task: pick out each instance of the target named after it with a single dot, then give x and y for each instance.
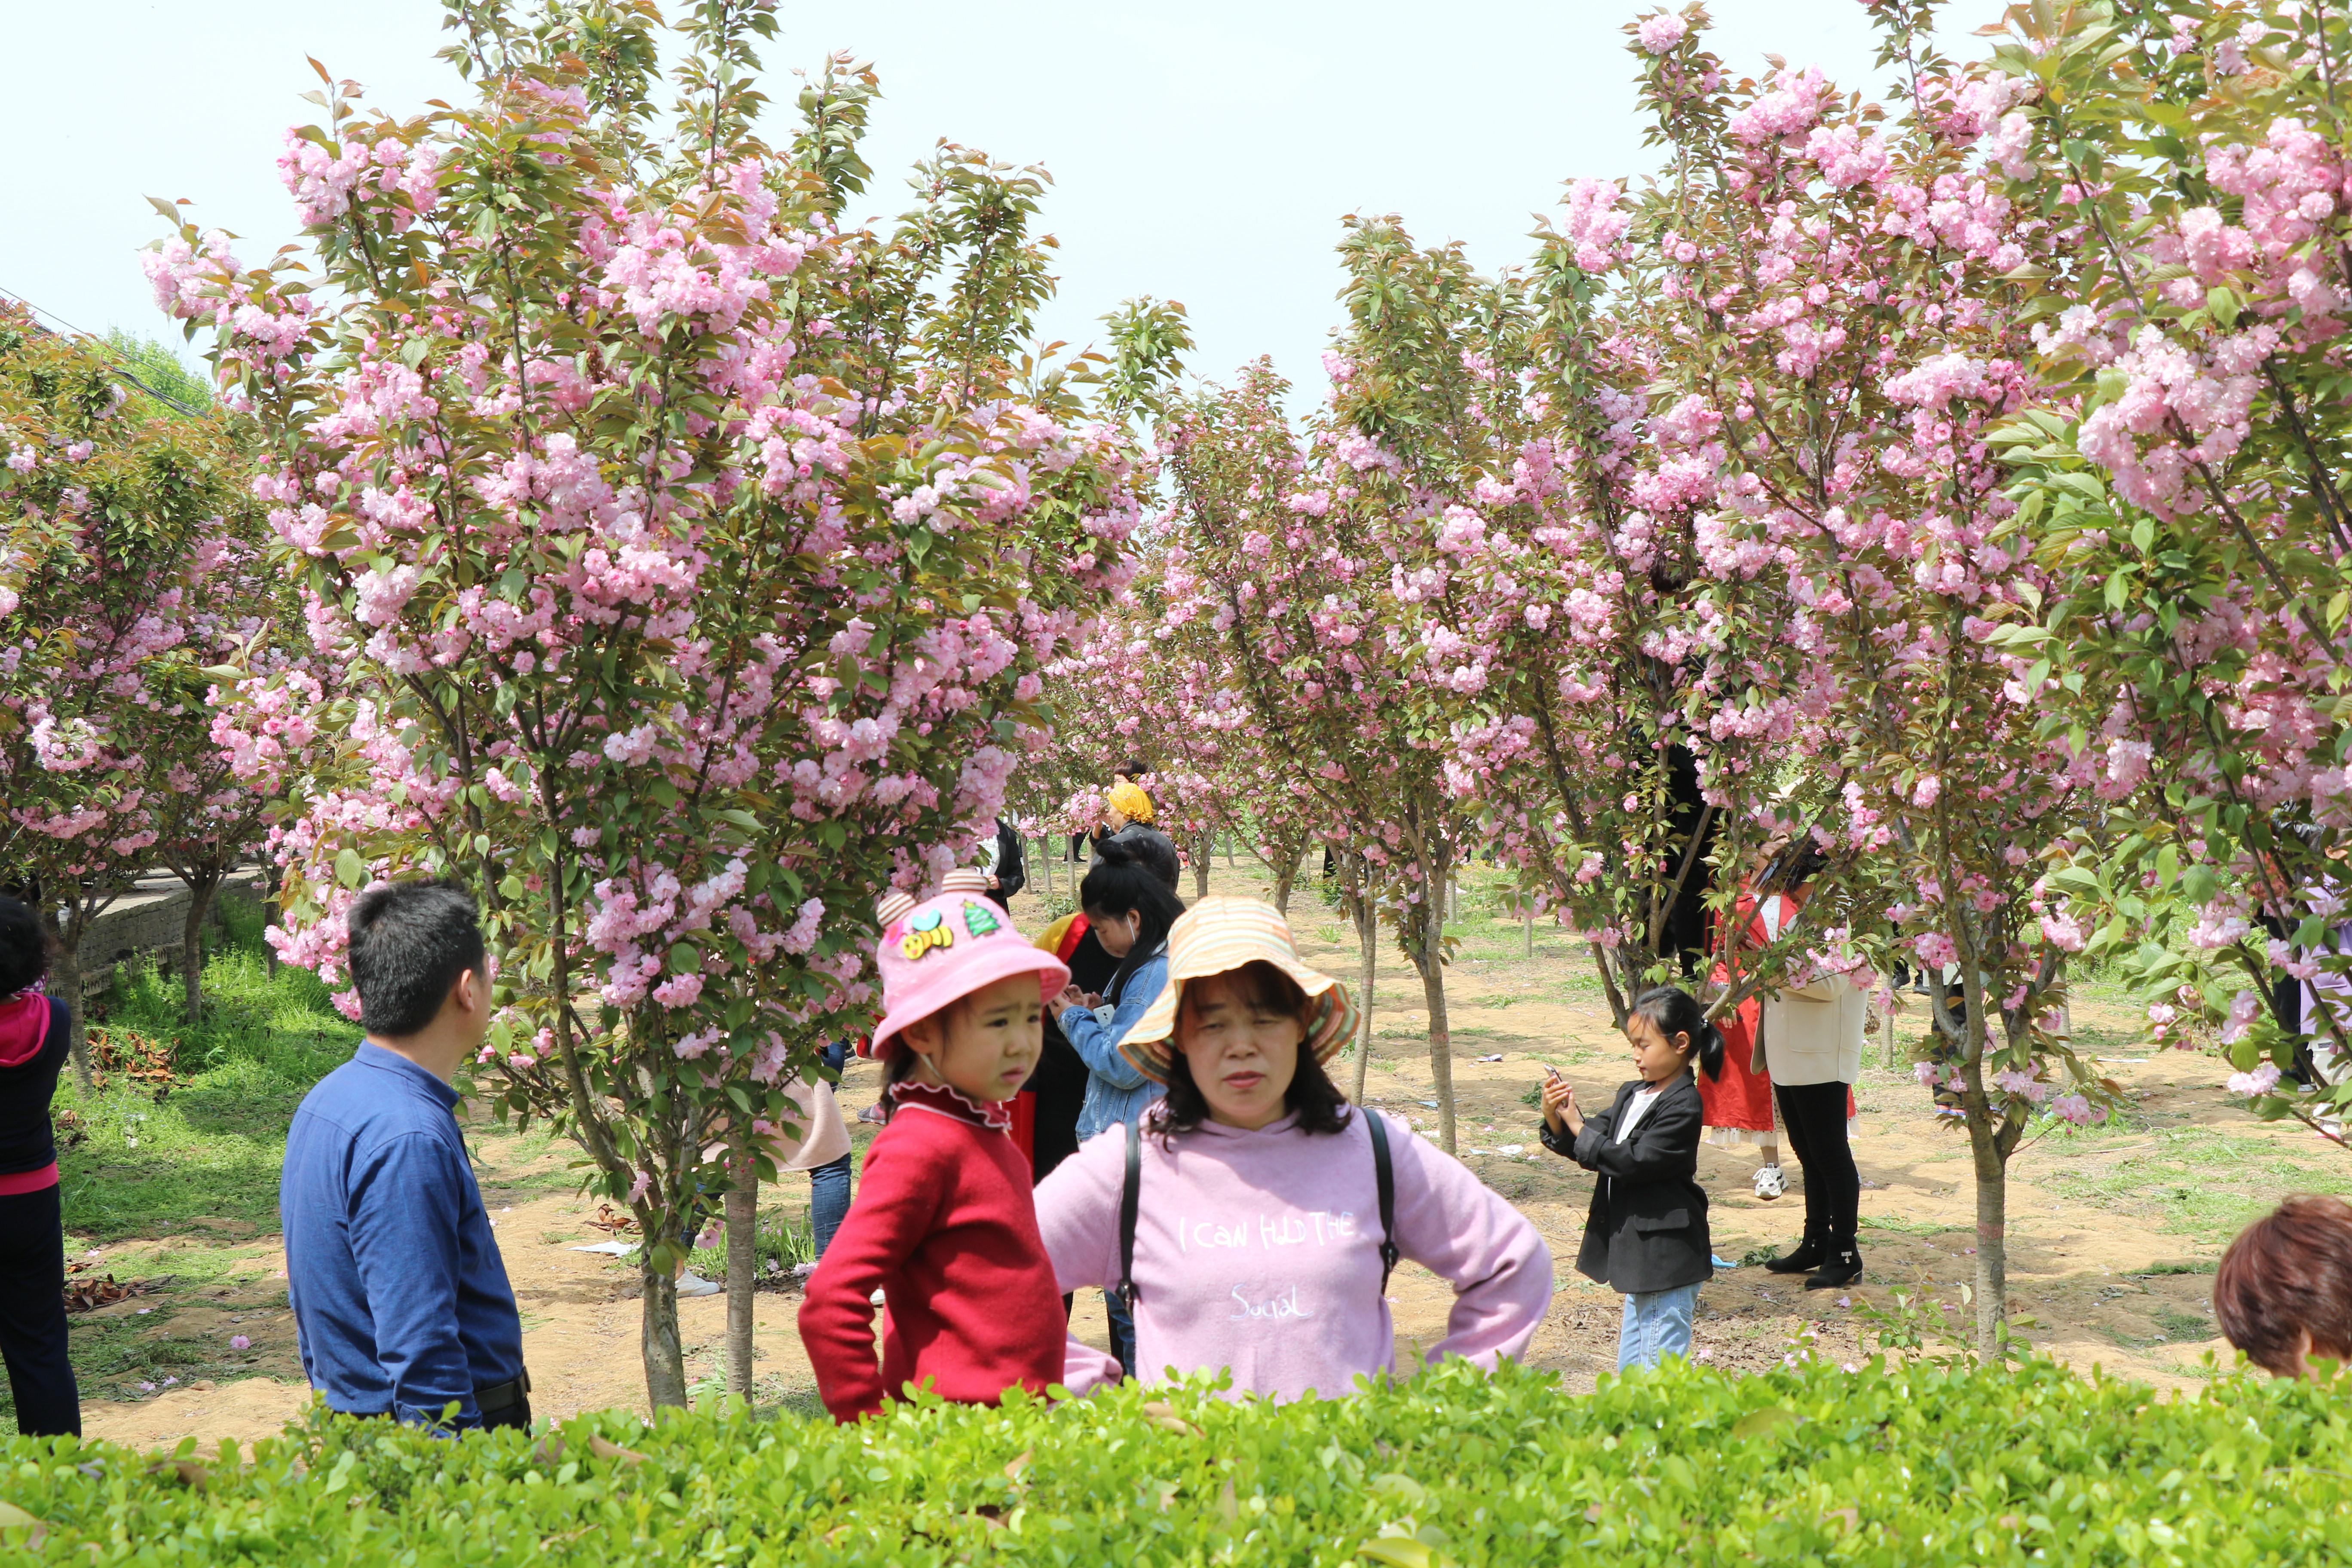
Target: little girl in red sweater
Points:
(942, 1224)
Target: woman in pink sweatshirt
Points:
(1258, 1243)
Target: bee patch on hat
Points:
(926, 933)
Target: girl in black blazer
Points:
(1646, 1235)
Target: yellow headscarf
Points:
(1130, 802)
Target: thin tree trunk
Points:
(1285, 878)
(1201, 868)
(201, 891)
(1992, 1239)
(665, 1352)
(1231, 864)
(1528, 915)
(65, 983)
(1430, 961)
(1367, 939)
(742, 1272)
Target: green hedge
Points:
(1915, 1466)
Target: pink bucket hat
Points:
(949, 945)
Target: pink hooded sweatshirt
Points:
(1260, 1251)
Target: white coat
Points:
(1812, 1034)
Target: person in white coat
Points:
(1811, 1040)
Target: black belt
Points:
(504, 1396)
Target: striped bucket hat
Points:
(1219, 934)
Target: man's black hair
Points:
(23, 947)
(410, 941)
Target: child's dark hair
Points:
(409, 942)
(1312, 1097)
(23, 947)
(1120, 883)
(1674, 1011)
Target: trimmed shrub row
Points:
(1918, 1463)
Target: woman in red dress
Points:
(1737, 1104)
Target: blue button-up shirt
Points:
(400, 1297)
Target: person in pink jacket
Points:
(1258, 1244)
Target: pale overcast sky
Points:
(1203, 152)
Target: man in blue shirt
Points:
(399, 1294)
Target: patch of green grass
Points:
(2184, 1328)
(210, 1148)
(781, 1239)
(2195, 1266)
(1904, 1226)
(2200, 1181)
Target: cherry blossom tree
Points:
(1283, 594)
(2185, 467)
(688, 554)
(1847, 322)
(120, 523)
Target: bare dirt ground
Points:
(2113, 1231)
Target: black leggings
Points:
(32, 1315)
(1812, 1116)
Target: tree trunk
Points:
(1528, 915)
(1231, 864)
(1207, 850)
(664, 1352)
(1992, 1239)
(201, 891)
(65, 983)
(1283, 881)
(1368, 938)
(742, 1272)
(1430, 961)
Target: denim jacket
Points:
(1116, 1093)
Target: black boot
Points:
(1807, 1257)
(1841, 1264)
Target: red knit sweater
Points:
(944, 1226)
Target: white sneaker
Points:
(875, 1299)
(1769, 1183)
(692, 1284)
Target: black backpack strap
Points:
(1131, 1194)
(1384, 1178)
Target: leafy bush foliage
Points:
(1918, 1464)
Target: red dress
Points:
(1737, 1106)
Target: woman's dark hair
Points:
(23, 947)
(1132, 769)
(2289, 1275)
(1122, 883)
(1312, 1097)
(1797, 864)
(1674, 1011)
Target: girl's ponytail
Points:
(1710, 1052)
(1673, 1011)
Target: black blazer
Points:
(1648, 1229)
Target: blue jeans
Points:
(1122, 1331)
(828, 1200)
(1658, 1325)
